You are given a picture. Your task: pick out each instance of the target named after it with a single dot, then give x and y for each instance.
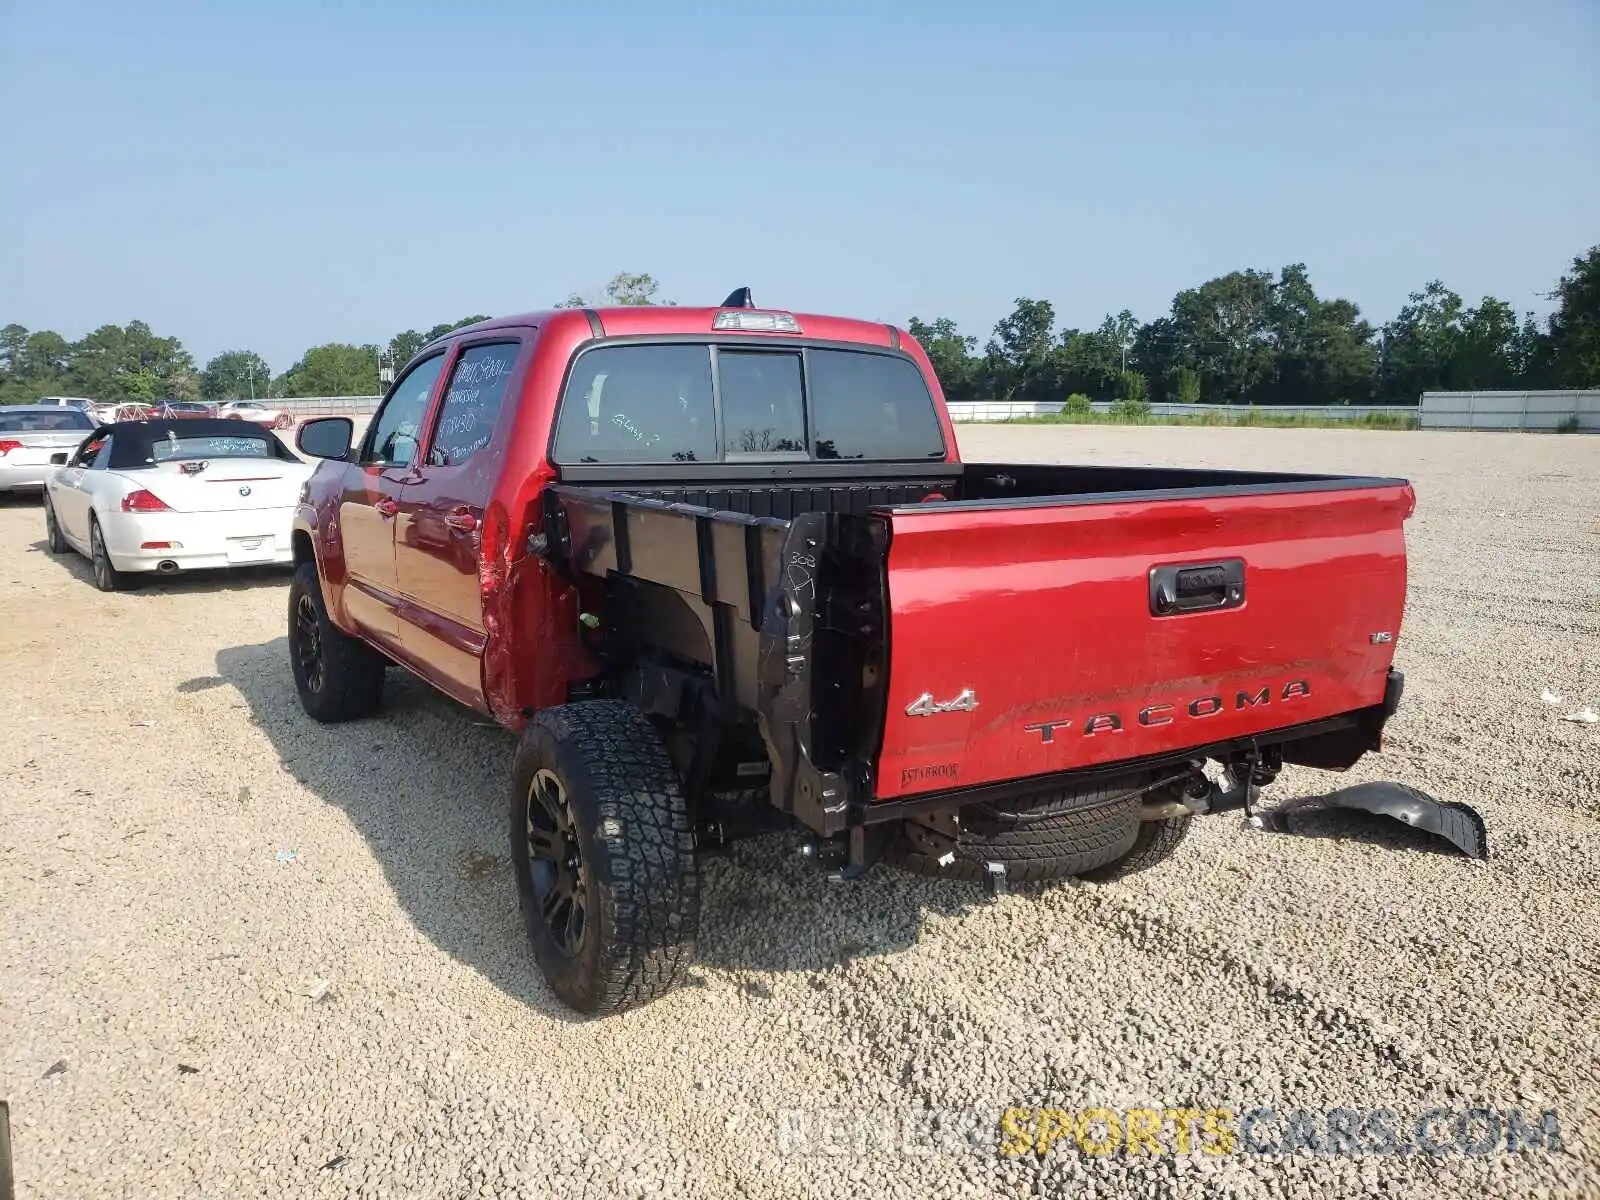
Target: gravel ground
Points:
(159, 964)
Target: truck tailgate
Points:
(1034, 638)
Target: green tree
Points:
(1222, 330)
(624, 288)
(1090, 361)
(1437, 343)
(950, 351)
(334, 369)
(235, 375)
(438, 331)
(1324, 351)
(1571, 345)
(1133, 388)
(46, 356)
(12, 340)
(1020, 358)
(403, 347)
(116, 363)
(1185, 385)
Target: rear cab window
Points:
(65, 420)
(643, 402)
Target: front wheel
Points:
(604, 856)
(338, 677)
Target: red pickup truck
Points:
(724, 570)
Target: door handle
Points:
(387, 507)
(1196, 587)
(461, 520)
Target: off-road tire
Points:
(1156, 841)
(106, 576)
(54, 540)
(349, 684)
(631, 824)
(1051, 837)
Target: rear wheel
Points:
(106, 576)
(604, 856)
(338, 677)
(52, 529)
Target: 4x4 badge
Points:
(926, 706)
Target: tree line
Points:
(1248, 337)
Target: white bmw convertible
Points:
(174, 495)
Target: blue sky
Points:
(275, 175)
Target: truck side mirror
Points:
(58, 460)
(326, 437)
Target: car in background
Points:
(249, 410)
(185, 408)
(81, 403)
(174, 495)
(30, 434)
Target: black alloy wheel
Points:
(555, 862)
(308, 643)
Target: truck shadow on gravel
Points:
(425, 783)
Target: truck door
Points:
(438, 529)
(371, 499)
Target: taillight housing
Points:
(7, 445)
(143, 501)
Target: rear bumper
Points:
(26, 478)
(199, 541)
(1332, 743)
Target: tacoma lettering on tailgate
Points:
(1165, 714)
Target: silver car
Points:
(30, 434)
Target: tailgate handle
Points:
(1196, 587)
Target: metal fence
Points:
(327, 406)
(965, 412)
(1546, 411)
(1579, 410)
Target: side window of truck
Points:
(472, 404)
(397, 428)
(873, 406)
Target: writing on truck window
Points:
(472, 404)
(639, 404)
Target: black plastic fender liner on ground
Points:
(1459, 824)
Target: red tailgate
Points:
(1026, 640)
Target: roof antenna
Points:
(739, 298)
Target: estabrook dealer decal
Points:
(1165, 714)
